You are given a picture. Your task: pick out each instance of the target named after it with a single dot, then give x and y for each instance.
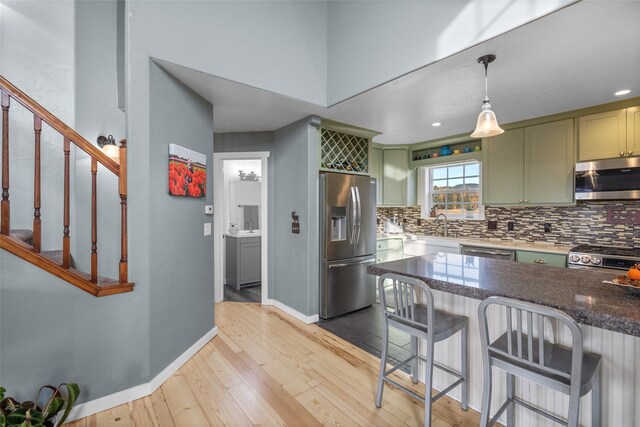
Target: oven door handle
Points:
(592, 268)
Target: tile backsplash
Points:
(596, 223)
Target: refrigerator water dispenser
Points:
(338, 223)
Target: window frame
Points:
(427, 193)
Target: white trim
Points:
(218, 227)
(293, 312)
(121, 397)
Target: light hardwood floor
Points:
(266, 368)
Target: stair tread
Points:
(22, 234)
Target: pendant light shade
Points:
(487, 123)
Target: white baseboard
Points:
(293, 312)
(142, 390)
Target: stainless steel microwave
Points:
(610, 179)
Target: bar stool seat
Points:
(407, 305)
(556, 357)
(519, 353)
(444, 325)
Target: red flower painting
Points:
(187, 172)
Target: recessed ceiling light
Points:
(436, 124)
(622, 92)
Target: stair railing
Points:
(69, 136)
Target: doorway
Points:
(240, 227)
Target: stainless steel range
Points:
(603, 257)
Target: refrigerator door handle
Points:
(358, 214)
(368, 261)
(354, 223)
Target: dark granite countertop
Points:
(578, 292)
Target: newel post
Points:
(124, 272)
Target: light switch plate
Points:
(208, 210)
(207, 229)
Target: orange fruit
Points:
(633, 274)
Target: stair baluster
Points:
(37, 230)
(66, 242)
(4, 205)
(94, 221)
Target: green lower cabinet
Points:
(554, 260)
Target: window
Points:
(454, 190)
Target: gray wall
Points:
(238, 142)
(296, 280)
(181, 258)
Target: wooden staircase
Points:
(26, 244)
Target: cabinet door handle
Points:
(630, 152)
(520, 200)
(526, 201)
(622, 154)
(539, 261)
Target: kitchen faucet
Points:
(445, 222)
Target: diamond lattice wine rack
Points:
(343, 152)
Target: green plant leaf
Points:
(3, 419)
(2, 390)
(73, 391)
(28, 417)
(54, 405)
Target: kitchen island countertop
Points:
(579, 293)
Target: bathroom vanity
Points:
(243, 259)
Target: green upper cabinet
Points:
(395, 168)
(603, 135)
(548, 163)
(633, 131)
(375, 170)
(503, 168)
(532, 166)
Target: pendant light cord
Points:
(486, 86)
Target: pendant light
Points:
(487, 123)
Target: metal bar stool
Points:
(403, 309)
(568, 370)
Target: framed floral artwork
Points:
(187, 172)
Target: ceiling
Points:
(573, 58)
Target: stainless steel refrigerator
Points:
(348, 243)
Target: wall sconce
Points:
(109, 147)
